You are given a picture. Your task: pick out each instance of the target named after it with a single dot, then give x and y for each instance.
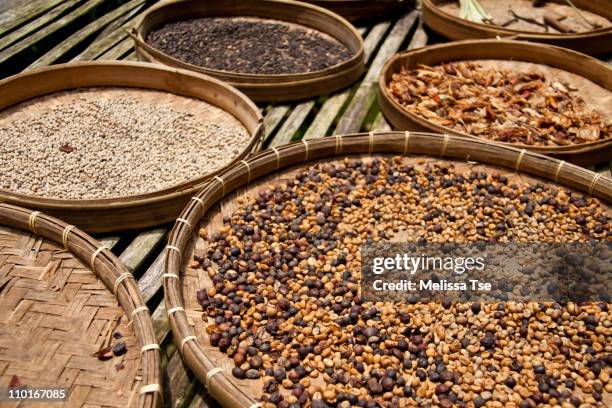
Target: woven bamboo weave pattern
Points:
(54, 314)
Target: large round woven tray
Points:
(138, 211)
(62, 297)
(356, 10)
(594, 42)
(270, 167)
(261, 87)
(572, 62)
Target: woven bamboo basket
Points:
(219, 198)
(137, 211)
(63, 296)
(261, 87)
(594, 42)
(573, 62)
(358, 10)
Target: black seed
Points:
(510, 382)
(252, 374)
(238, 373)
(387, 383)
(119, 349)
(488, 341)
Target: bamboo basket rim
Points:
(137, 35)
(386, 70)
(113, 273)
(429, 5)
(268, 162)
(178, 190)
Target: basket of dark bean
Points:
(262, 277)
(580, 25)
(362, 10)
(538, 97)
(272, 50)
(74, 329)
(111, 146)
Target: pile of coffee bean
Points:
(284, 300)
(94, 148)
(248, 45)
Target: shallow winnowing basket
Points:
(62, 298)
(260, 87)
(141, 210)
(588, 74)
(266, 168)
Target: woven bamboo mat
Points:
(54, 314)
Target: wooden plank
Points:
(161, 327)
(140, 248)
(292, 124)
(179, 383)
(353, 117)
(6, 5)
(112, 35)
(380, 124)
(151, 281)
(28, 11)
(333, 105)
(373, 38)
(131, 57)
(274, 117)
(419, 38)
(119, 50)
(31, 27)
(76, 38)
(109, 242)
(122, 22)
(327, 114)
(48, 30)
(98, 48)
(202, 400)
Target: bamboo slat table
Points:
(44, 32)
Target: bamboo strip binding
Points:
(246, 163)
(138, 310)
(519, 159)
(175, 309)
(556, 178)
(222, 388)
(198, 200)
(184, 221)
(406, 142)
(65, 236)
(92, 261)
